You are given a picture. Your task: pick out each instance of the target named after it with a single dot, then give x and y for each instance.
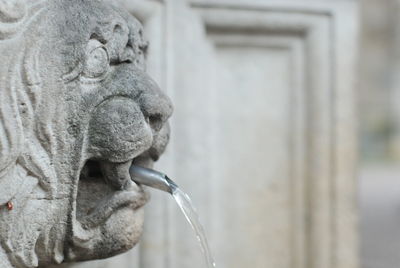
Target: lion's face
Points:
(97, 113)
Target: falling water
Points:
(158, 180)
(186, 206)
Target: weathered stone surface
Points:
(76, 108)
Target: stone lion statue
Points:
(76, 110)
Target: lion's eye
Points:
(97, 60)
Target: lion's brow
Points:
(106, 30)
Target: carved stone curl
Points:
(76, 108)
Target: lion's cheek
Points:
(118, 131)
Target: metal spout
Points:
(152, 178)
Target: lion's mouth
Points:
(105, 187)
(119, 135)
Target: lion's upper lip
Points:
(116, 174)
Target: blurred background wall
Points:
(379, 132)
(379, 82)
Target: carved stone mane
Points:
(76, 109)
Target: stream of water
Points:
(160, 181)
(187, 208)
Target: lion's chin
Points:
(119, 233)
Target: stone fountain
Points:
(76, 110)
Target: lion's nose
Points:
(156, 107)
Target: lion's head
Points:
(76, 109)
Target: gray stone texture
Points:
(76, 109)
